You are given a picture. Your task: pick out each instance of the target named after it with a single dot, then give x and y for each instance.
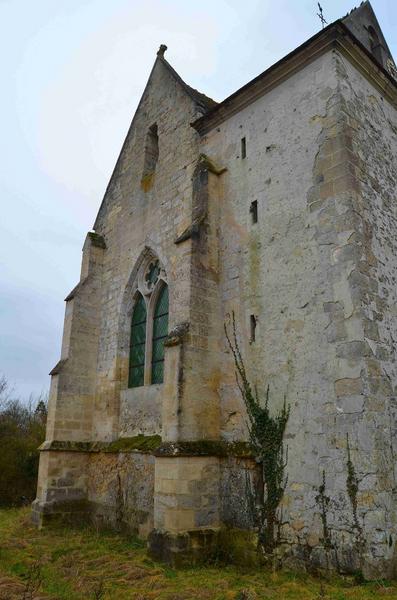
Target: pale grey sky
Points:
(72, 75)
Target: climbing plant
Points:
(352, 484)
(267, 434)
(323, 502)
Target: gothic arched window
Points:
(160, 332)
(149, 326)
(138, 344)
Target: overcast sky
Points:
(72, 73)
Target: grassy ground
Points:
(77, 564)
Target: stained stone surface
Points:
(317, 271)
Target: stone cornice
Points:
(364, 62)
(335, 37)
(145, 444)
(76, 289)
(58, 367)
(219, 448)
(152, 444)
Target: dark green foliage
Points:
(267, 433)
(323, 502)
(238, 547)
(352, 485)
(352, 490)
(22, 430)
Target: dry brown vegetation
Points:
(82, 564)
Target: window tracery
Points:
(149, 325)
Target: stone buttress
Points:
(277, 205)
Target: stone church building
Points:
(277, 205)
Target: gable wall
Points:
(131, 219)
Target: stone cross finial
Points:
(161, 50)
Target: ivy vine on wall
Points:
(267, 438)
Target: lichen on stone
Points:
(147, 182)
(138, 443)
(219, 448)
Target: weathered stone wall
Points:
(61, 487)
(71, 402)
(237, 485)
(132, 218)
(372, 281)
(275, 269)
(121, 491)
(316, 273)
(140, 411)
(187, 493)
(306, 271)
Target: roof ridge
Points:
(202, 99)
(349, 12)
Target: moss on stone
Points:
(70, 446)
(97, 240)
(238, 546)
(153, 444)
(138, 443)
(209, 164)
(206, 448)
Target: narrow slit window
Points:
(137, 344)
(160, 332)
(252, 328)
(243, 148)
(254, 211)
(151, 150)
(375, 45)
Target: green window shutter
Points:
(160, 332)
(137, 344)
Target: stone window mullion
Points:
(149, 342)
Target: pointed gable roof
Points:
(199, 98)
(363, 24)
(202, 103)
(343, 34)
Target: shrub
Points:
(22, 430)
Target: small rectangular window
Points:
(254, 211)
(243, 148)
(253, 328)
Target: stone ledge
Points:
(77, 288)
(152, 444)
(58, 367)
(192, 230)
(140, 443)
(177, 335)
(97, 240)
(205, 448)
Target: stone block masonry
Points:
(311, 278)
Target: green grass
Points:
(76, 564)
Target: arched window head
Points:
(149, 323)
(152, 274)
(137, 344)
(160, 332)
